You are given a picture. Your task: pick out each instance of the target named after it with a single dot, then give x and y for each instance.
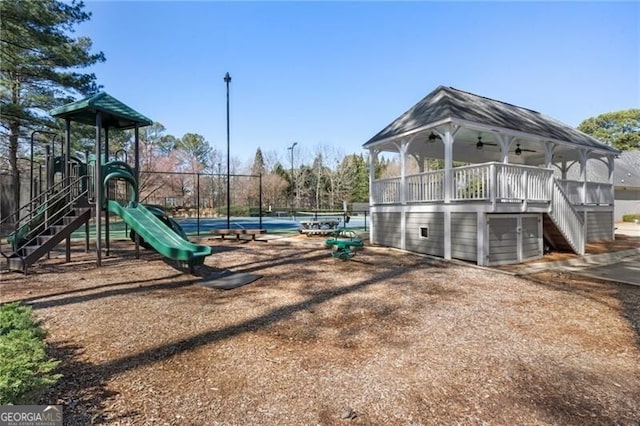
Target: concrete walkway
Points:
(621, 266)
(626, 271)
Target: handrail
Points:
(30, 206)
(567, 219)
(61, 195)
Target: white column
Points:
(611, 168)
(402, 150)
(372, 176)
(563, 169)
(448, 140)
(372, 173)
(504, 142)
(480, 228)
(549, 148)
(584, 156)
(420, 160)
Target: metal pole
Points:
(227, 80)
(31, 158)
(67, 176)
(98, 189)
(107, 194)
(293, 187)
(260, 199)
(136, 195)
(198, 204)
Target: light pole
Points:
(227, 80)
(292, 179)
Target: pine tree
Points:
(38, 62)
(258, 167)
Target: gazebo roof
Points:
(447, 103)
(115, 113)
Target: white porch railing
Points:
(595, 192)
(490, 182)
(472, 182)
(386, 191)
(427, 186)
(522, 183)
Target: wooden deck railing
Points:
(490, 182)
(427, 186)
(386, 191)
(595, 192)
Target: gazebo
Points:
(502, 192)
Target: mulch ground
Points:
(385, 338)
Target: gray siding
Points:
(464, 236)
(503, 240)
(531, 246)
(386, 229)
(434, 244)
(599, 226)
(626, 202)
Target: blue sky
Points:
(335, 73)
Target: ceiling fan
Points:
(432, 137)
(480, 144)
(519, 151)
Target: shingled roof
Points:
(626, 171)
(448, 103)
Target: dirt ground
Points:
(385, 338)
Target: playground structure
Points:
(99, 185)
(345, 244)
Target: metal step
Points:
(47, 240)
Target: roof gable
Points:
(115, 113)
(449, 103)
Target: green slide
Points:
(141, 220)
(162, 238)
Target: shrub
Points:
(25, 369)
(631, 217)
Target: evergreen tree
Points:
(620, 129)
(38, 62)
(360, 190)
(258, 167)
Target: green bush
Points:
(240, 211)
(631, 217)
(25, 369)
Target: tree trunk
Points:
(14, 138)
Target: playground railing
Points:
(53, 204)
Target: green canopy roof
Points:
(115, 114)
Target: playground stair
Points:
(46, 240)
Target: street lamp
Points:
(227, 80)
(292, 179)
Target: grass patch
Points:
(631, 217)
(25, 369)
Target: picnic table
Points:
(319, 226)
